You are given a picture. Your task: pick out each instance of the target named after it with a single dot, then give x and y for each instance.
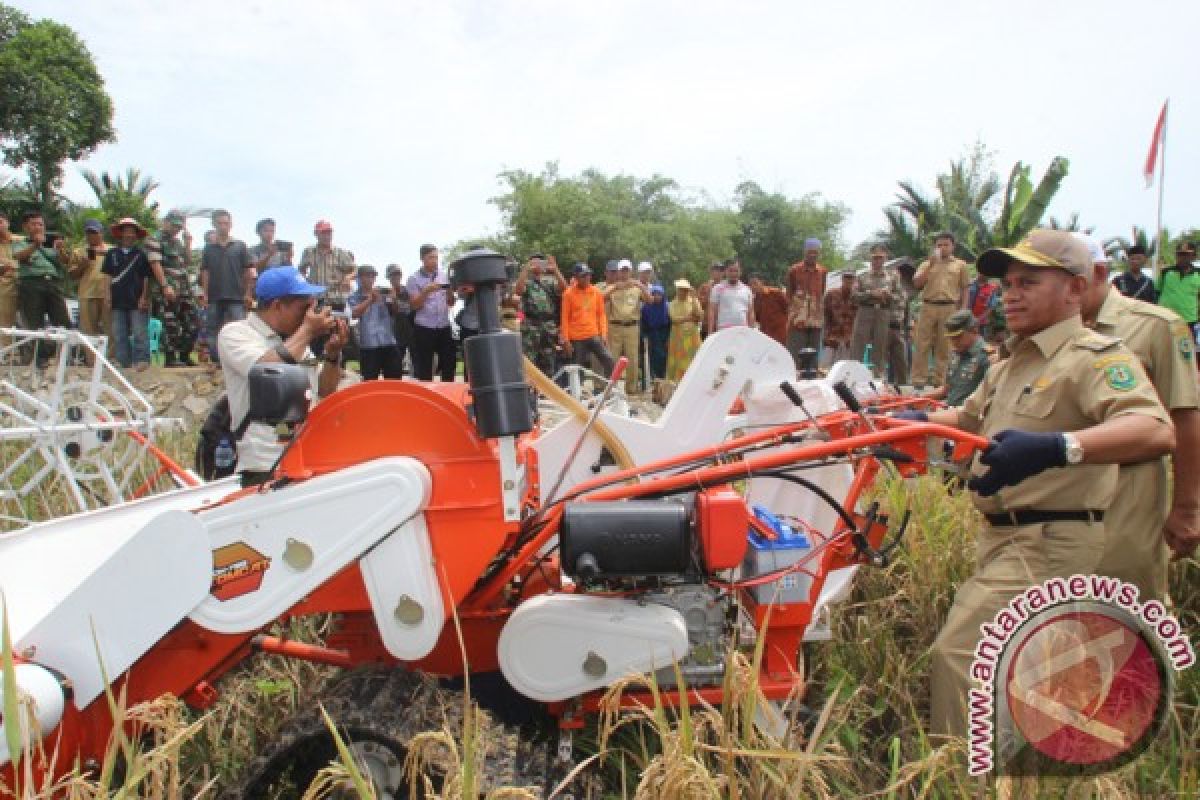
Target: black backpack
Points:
(217, 426)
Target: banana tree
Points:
(1025, 205)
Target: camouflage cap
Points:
(174, 217)
(959, 321)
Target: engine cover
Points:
(555, 647)
(634, 538)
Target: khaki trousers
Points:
(1010, 560)
(871, 328)
(931, 339)
(8, 311)
(623, 341)
(1134, 549)
(96, 320)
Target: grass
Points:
(866, 705)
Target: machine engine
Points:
(659, 553)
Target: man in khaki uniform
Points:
(8, 279)
(942, 281)
(875, 293)
(624, 298)
(1144, 522)
(94, 311)
(1067, 406)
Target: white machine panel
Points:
(271, 550)
(106, 600)
(555, 647)
(697, 415)
(402, 582)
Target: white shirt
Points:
(241, 345)
(732, 303)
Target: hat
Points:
(645, 266)
(582, 269)
(716, 265)
(1186, 247)
(394, 269)
(812, 243)
(116, 228)
(611, 266)
(280, 282)
(683, 283)
(367, 269)
(538, 257)
(624, 263)
(93, 226)
(322, 225)
(174, 217)
(959, 321)
(1094, 249)
(1044, 248)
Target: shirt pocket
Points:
(1034, 404)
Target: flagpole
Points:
(1162, 170)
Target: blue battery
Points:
(770, 555)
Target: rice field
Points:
(860, 727)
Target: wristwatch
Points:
(1074, 448)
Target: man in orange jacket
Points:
(584, 325)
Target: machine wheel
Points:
(378, 714)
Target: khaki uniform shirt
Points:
(945, 282)
(869, 281)
(93, 284)
(1161, 340)
(625, 305)
(8, 283)
(1065, 378)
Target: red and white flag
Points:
(1160, 135)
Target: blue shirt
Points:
(655, 315)
(375, 325)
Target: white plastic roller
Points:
(40, 685)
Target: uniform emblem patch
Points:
(1185, 346)
(1120, 377)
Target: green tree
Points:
(595, 217)
(772, 229)
(53, 107)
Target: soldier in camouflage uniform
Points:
(540, 286)
(179, 319)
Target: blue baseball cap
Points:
(93, 226)
(280, 282)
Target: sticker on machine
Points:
(238, 569)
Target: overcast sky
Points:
(392, 118)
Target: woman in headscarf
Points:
(686, 315)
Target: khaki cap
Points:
(683, 283)
(1045, 248)
(959, 321)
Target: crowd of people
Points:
(893, 315)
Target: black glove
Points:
(911, 416)
(1016, 455)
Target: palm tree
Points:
(126, 195)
